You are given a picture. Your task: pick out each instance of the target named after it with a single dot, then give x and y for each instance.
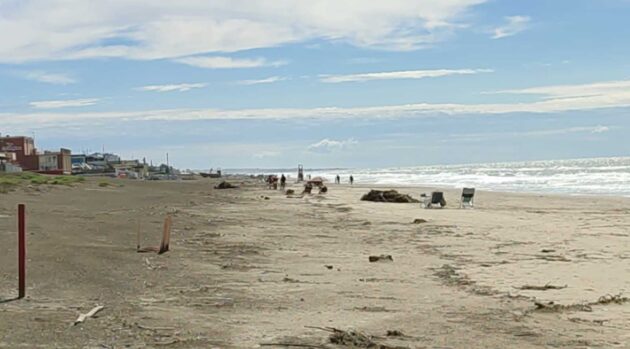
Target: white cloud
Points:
(171, 87)
(328, 146)
(48, 78)
(599, 129)
(218, 62)
(261, 81)
(64, 103)
(565, 98)
(607, 88)
(477, 137)
(514, 25)
(149, 29)
(409, 74)
(579, 129)
(266, 154)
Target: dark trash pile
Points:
(388, 196)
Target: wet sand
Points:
(250, 267)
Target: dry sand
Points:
(244, 270)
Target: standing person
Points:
(338, 180)
(283, 181)
(351, 180)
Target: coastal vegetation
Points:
(9, 181)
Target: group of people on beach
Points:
(338, 180)
(272, 181)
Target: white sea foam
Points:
(603, 176)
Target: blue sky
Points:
(273, 83)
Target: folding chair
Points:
(437, 200)
(468, 198)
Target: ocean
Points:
(596, 176)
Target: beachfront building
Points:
(98, 163)
(25, 155)
(55, 162)
(8, 163)
(23, 150)
(131, 169)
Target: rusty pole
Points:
(22, 250)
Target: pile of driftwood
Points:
(350, 339)
(356, 339)
(388, 196)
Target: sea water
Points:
(597, 176)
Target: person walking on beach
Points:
(337, 180)
(351, 180)
(283, 181)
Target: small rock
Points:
(225, 185)
(381, 258)
(419, 221)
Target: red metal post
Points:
(22, 250)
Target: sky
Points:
(324, 83)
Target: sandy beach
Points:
(251, 267)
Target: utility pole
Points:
(168, 167)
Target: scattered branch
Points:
(83, 317)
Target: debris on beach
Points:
(617, 299)
(290, 280)
(541, 288)
(290, 192)
(552, 307)
(388, 196)
(587, 307)
(225, 185)
(449, 275)
(578, 320)
(381, 258)
(91, 313)
(419, 221)
(354, 339)
(554, 258)
(395, 333)
(323, 190)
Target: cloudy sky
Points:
(326, 83)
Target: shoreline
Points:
(428, 188)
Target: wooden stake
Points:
(166, 235)
(21, 250)
(138, 236)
